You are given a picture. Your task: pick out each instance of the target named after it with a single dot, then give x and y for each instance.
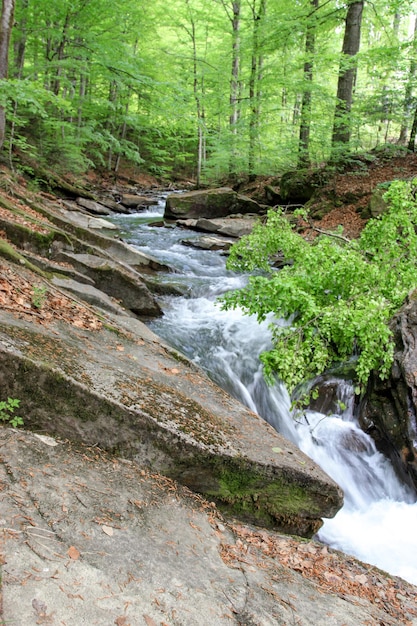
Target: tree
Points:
(255, 95)
(347, 73)
(334, 298)
(304, 137)
(6, 24)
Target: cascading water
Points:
(378, 520)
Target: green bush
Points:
(335, 298)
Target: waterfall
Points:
(378, 520)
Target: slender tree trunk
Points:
(347, 74)
(255, 82)
(60, 55)
(412, 140)
(305, 115)
(235, 87)
(20, 37)
(408, 96)
(6, 25)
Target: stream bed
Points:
(378, 521)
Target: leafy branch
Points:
(333, 300)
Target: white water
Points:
(378, 521)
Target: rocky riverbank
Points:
(108, 530)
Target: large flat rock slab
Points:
(91, 539)
(130, 394)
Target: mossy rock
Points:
(299, 186)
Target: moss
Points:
(8, 252)
(270, 500)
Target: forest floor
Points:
(351, 189)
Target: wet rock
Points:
(389, 409)
(209, 243)
(133, 201)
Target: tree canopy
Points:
(207, 89)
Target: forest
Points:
(204, 89)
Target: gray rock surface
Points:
(115, 280)
(208, 203)
(93, 207)
(127, 392)
(91, 539)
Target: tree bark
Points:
(305, 122)
(408, 96)
(347, 74)
(6, 25)
(258, 14)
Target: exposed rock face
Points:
(93, 207)
(389, 408)
(128, 393)
(94, 539)
(209, 203)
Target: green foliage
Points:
(39, 296)
(334, 299)
(7, 408)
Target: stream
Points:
(378, 521)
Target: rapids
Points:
(378, 520)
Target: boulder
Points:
(209, 243)
(133, 201)
(93, 207)
(208, 203)
(127, 392)
(298, 186)
(389, 408)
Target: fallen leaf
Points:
(175, 371)
(108, 530)
(149, 621)
(276, 450)
(121, 621)
(73, 553)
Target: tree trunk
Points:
(408, 96)
(347, 74)
(305, 122)
(20, 37)
(255, 82)
(6, 25)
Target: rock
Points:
(235, 226)
(389, 409)
(121, 283)
(94, 539)
(377, 204)
(93, 207)
(209, 243)
(209, 203)
(298, 186)
(89, 294)
(85, 221)
(130, 393)
(132, 201)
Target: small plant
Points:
(7, 408)
(39, 296)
